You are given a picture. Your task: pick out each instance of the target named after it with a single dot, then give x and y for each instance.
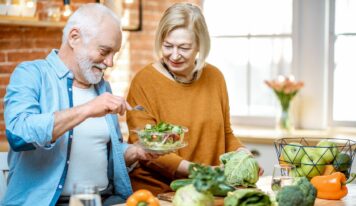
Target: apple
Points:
(328, 150)
(293, 153)
(310, 150)
(312, 163)
(297, 172)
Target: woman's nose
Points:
(175, 55)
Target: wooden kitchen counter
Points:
(264, 185)
(350, 200)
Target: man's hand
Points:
(98, 107)
(135, 153)
(105, 104)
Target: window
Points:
(250, 44)
(343, 69)
(314, 40)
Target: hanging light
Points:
(67, 11)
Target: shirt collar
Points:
(59, 67)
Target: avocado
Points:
(342, 162)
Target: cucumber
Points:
(176, 184)
(222, 190)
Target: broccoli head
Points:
(290, 195)
(308, 190)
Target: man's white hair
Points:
(87, 18)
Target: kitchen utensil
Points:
(138, 108)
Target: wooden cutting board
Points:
(218, 201)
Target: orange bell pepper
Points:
(329, 169)
(142, 198)
(331, 187)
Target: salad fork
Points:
(138, 108)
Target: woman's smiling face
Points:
(179, 50)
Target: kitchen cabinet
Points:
(265, 155)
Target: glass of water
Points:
(85, 194)
(282, 176)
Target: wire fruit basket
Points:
(316, 156)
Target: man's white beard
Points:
(85, 65)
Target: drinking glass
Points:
(85, 194)
(282, 176)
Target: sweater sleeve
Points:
(166, 164)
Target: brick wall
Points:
(23, 43)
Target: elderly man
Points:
(61, 118)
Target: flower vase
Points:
(284, 120)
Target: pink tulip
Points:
(286, 87)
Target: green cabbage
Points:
(247, 197)
(241, 169)
(188, 195)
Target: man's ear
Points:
(74, 37)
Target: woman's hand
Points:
(260, 169)
(183, 169)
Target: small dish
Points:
(164, 148)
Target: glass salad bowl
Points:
(162, 138)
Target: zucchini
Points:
(176, 184)
(222, 190)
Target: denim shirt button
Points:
(60, 186)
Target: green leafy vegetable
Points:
(247, 197)
(206, 178)
(241, 169)
(163, 127)
(188, 195)
(205, 182)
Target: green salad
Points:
(162, 136)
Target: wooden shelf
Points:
(28, 21)
(260, 135)
(35, 22)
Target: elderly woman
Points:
(182, 89)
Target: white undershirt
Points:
(88, 158)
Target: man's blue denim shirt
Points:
(38, 167)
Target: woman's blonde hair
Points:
(189, 16)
